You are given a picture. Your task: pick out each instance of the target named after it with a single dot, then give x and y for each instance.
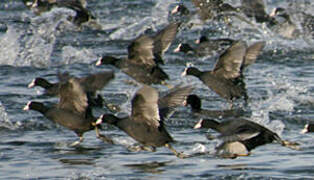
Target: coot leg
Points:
(103, 137)
(178, 154)
(141, 148)
(76, 143)
(291, 145)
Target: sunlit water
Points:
(280, 87)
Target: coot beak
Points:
(178, 48)
(26, 107)
(99, 120)
(184, 72)
(98, 63)
(175, 9)
(32, 84)
(199, 124)
(305, 130)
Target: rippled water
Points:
(280, 87)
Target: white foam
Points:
(72, 55)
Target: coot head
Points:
(201, 40)
(183, 47)
(191, 71)
(107, 118)
(180, 9)
(207, 123)
(107, 60)
(37, 106)
(194, 101)
(308, 128)
(40, 82)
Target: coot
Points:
(72, 111)
(240, 136)
(226, 79)
(206, 47)
(144, 55)
(90, 85)
(145, 124)
(79, 6)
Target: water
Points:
(280, 87)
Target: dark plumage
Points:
(144, 55)
(206, 9)
(145, 124)
(170, 100)
(206, 47)
(196, 106)
(226, 79)
(82, 14)
(72, 111)
(241, 136)
(283, 24)
(256, 9)
(90, 85)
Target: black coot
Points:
(145, 124)
(240, 136)
(206, 47)
(72, 111)
(90, 85)
(79, 6)
(144, 55)
(226, 79)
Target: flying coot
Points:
(240, 136)
(145, 124)
(90, 85)
(144, 56)
(208, 47)
(79, 6)
(72, 111)
(226, 79)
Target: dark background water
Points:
(280, 87)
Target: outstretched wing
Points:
(252, 52)
(230, 62)
(164, 38)
(73, 97)
(172, 99)
(96, 81)
(145, 106)
(140, 51)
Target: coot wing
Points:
(73, 97)
(140, 51)
(172, 99)
(252, 52)
(96, 81)
(240, 134)
(175, 97)
(164, 38)
(145, 106)
(230, 62)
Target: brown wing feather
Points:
(141, 51)
(252, 52)
(230, 62)
(73, 97)
(145, 106)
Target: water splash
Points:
(4, 119)
(138, 25)
(33, 43)
(72, 55)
